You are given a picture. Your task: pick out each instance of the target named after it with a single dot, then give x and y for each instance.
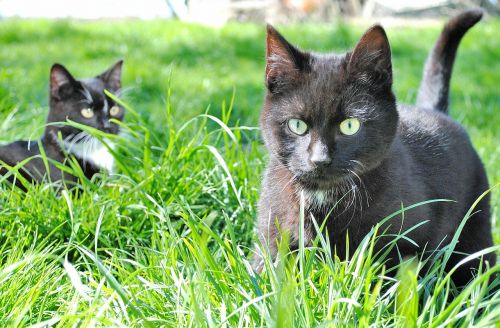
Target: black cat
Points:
(336, 135)
(82, 101)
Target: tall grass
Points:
(166, 241)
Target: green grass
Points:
(165, 241)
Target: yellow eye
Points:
(87, 112)
(350, 126)
(114, 111)
(297, 126)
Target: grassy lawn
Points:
(164, 241)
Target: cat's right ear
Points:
(59, 77)
(112, 77)
(284, 62)
(371, 58)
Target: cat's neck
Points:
(92, 155)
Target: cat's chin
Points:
(313, 181)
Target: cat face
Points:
(83, 101)
(328, 117)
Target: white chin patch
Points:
(315, 198)
(92, 151)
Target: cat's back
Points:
(430, 131)
(441, 152)
(17, 151)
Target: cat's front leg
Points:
(279, 225)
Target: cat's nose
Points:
(319, 155)
(321, 162)
(106, 126)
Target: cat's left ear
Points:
(284, 62)
(112, 77)
(371, 55)
(62, 82)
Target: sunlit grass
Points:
(167, 239)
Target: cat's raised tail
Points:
(434, 88)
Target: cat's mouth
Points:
(324, 180)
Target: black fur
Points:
(400, 155)
(68, 97)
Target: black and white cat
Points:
(82, 101)
(336, 135)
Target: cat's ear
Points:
(371, 58)
(284, 62)
(59, 77)
(112, 77)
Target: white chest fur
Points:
(93, 152)
(315, 198)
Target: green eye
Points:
(350, 126)
(297, 126)
(87, 112)
(114, 110)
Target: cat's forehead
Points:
(93, 90)
(327, 62)
(323, 87)
(325, 93)
(327, 72)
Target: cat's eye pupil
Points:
(349, 126)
